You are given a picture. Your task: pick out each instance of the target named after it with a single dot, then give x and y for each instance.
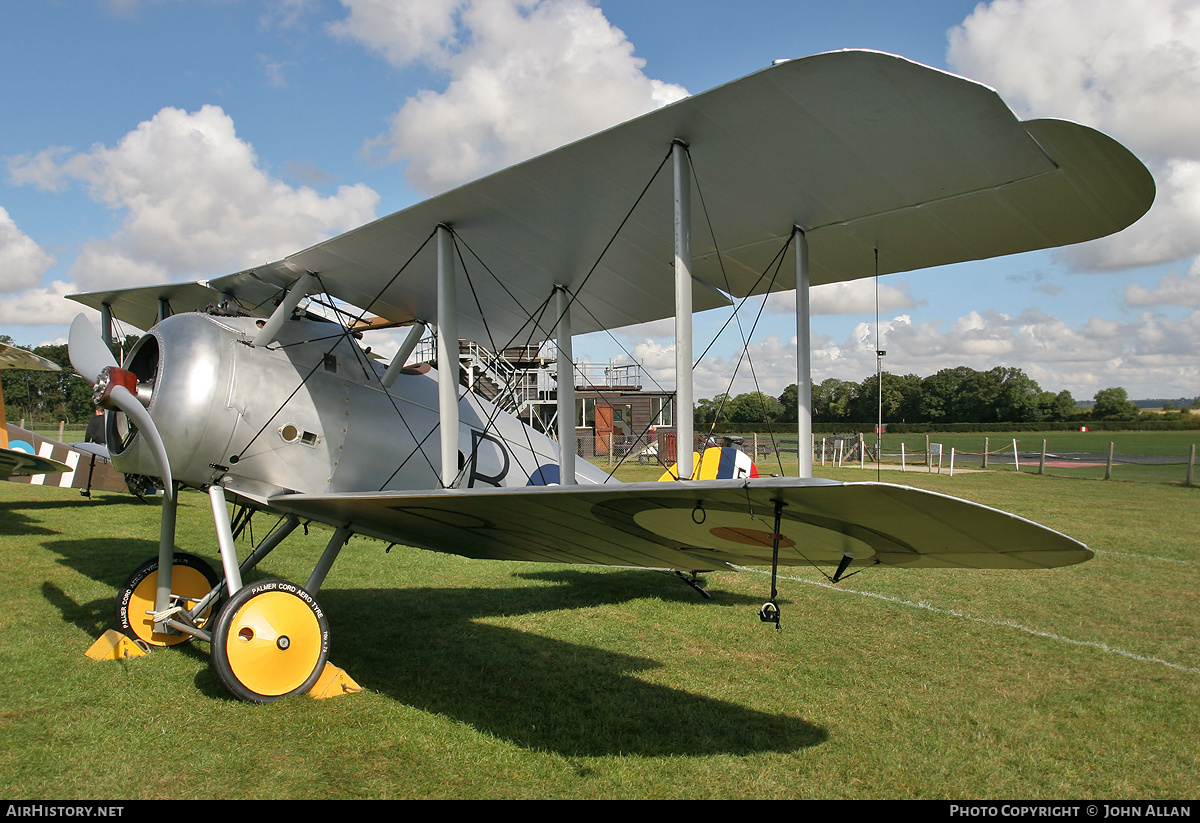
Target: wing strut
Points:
(106, 329)
(406, 348)
(803, 358)
(566, 389)
(266, 335)
(684, 429)
(447, 355)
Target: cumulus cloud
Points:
(1172, 290)
(40, 306)
(851, 297)
(524, 76)
(1132, 73)
(194, 202)
(24, 260)
(1151, 355)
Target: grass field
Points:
(1142, 456)
(493, 680)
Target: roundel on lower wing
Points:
(748, 534)
(21, 446)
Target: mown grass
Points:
(496, 680)
(1169, 453)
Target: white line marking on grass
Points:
(1007, 624)
(1148, 557)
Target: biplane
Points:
(17, 457)
(28, 457)
(256, 387)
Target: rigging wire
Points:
(573, 298)
(370, 372)
(494, 416)
(776, 262)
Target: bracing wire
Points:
(533, 323)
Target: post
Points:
(951, 461)
(1191, 472)
(447, 355)
(566, 389)
(902, 457)
(985, 452)
(684, 430)
(1108, 466)
(1042, 463)
(803, 357)
(1016, 458)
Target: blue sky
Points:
(319, 116)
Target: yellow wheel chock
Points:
(333, 682)
(113, 645)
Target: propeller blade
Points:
(135, 411)
(87, 351)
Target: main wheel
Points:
(191, 579)
(270, 641)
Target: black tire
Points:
(191, 577)
(270, 641)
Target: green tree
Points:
(1114, 404)
(958, 395)
(789, 403)
(1018, 397)
(708, 413)
(831, 400)
(1056, 408)
(754, 409)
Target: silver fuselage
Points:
(309, 414)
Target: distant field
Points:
(1132, 442)
(494, 680)
(1154, 457)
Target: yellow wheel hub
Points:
(188, 585)
(273, 643)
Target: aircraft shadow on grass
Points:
(15, 518)
(435, 652)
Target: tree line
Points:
(48, 396)
(955, 395)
